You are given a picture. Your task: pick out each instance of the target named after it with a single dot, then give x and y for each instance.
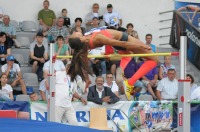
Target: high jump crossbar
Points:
(127, 55)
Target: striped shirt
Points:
(54, 31)
(166, 68)
(168, 88)
(9, 29)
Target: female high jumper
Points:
(119, 41)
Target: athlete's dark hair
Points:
(79, 63)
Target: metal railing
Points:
(165, 28)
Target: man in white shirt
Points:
(98, 65)
(44, 85)
(95, 13)
(13, 72)
(65, 90)
(111, 84)
(112, 19)
(168, 87)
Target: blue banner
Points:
(181, 26)
(15, 105)
(195, 119)
(190, 12)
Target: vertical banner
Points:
(181, 25)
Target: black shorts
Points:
(123, 38)
(39, 63)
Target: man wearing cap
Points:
(38, 53)
(95, 23)
(112, 19)
(12, 70)
(95, 13)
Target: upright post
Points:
(183, 56)
(51, 100)
(183, 90)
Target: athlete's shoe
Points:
(128, 90)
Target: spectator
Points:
(100, 94)
(148, 39)
(38, 53)
(95, 13)
(98, 64)
(34, 96)
(65, 90)
(195, 94)
(127, 69)
(6, 91)
(112, 19)
(61, 48)
(150, 80)
(67, 22)
(168, 87)
(5, 48)
(57, 30)
(95, 23)
(9, 30)
(192, 84)
(130, 31)
(12, 70)
(78, 28)
(165, 66)
(46, 17)
(111, 84)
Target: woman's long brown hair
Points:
(79, 63)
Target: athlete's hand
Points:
(147, 47)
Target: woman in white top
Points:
(192, 84)
(165, 67)
(6, 91)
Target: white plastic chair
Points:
(16, 25)
(22, 97)
(20, 59)
(24, 42)
(29, 26)
(31, 79)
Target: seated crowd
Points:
(160, 83)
